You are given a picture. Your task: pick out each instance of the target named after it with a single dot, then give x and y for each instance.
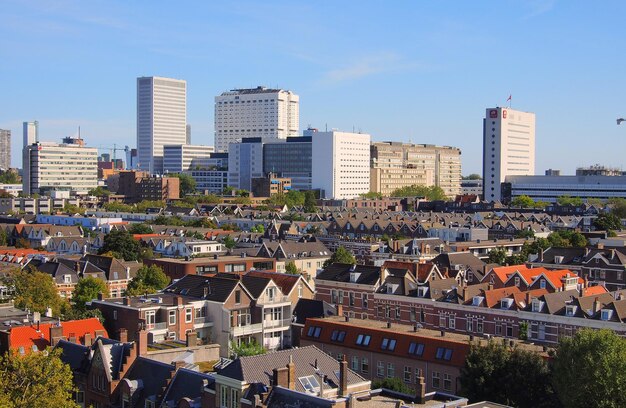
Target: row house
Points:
(362, 249)
(481, 248)
(526, 278)
(40, 205)
(69, 245)
(308, 257)
(444, 304)
(38, 235)
(408, 250)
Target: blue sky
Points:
(419, 71)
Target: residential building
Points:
(161, 119)
(395, 165)
(550, 188)
(69, 166)
(308, 257)
(508, 148)
(185, 157)
(245, 162)
(210, 181)
(258, 112)
(474, 187)
(30, 133)
(292, 159)
(5, 149)
(270, 185)
(341, 164)
(138, 185)
(178, 268)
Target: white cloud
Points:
(370, 65)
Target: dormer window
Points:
(310, 384)
(537, 305)
(506, 303)
(570, 310)
(542, 283)
(518, 281)
(606, 314)
(422, 291)
(477, 300)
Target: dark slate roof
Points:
(153, 375)
(570, 255)
(219, 289)
(285, 398)
(73, 354)
(259, 368)
(339, 272)
(307, 308)
(186, 384)
(450, 259)
(255, 285)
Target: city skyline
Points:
(423, 73)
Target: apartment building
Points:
(270, 185)
(257, 112)
(185, 157)
(395, 165)
(5, 149)
(245, 162)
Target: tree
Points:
(37, 380)
(251, 348)
(510, 376)
(523, 201)
(497, 256)
(86, 290)
(341, 255)
(310, 202)
(525, 233)
(122, 245)
(140, 228)
(567, 200)
(149, 279)
(371, 195)
(291, 268)
(618, 207)
(229, 242)
(394, 384)
(472, 176)
(567, 239)
(99, 192)
(36, 291)
(22, 243)
(432, 193)
(4, 239)
(590, 369)
(9, 177)
(259, 228)
(187, 184)
(606, 222)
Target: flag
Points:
(509, 98)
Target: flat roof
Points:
(209, 259)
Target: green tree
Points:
(432, 193)
(99, 192)
(472, 176)
(37, 380)
(122, 245)
(9, 177)
(497, 256)
(22, 243)
(229, 242)
(310, 202)
(73, 209)
(341, 255)
(244, 349)
(259, 228)
(371, 195)
(118, 207)
(86, 290)
(35, 290)
(605, 222)
(618, 207)
(394, 384)
(149, 279)
(505, 375)
(291, 268)
(567, 200)
(187, 184)
(589, 370)
(4, 239)
(525, 233)
(594, 201)
(140, 228)
(523, 201)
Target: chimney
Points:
(600, 245)
(178, 301)
(191, 339)
(339, 309)
(291, 373)
(420, 391)
(443, 333)
(56, 334)
(141, 343)
(87, 341)
(122, 335)
(343, 377)
(126, 301)
(280, 377)
(100, 296)
(596, 305)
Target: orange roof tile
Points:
(594, 290)
(27, 336)
(493, 297)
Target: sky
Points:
(413, 71)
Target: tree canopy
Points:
(432, 193)
(291, 268)
(86, 290)
(523, 201)
(567, 200)
(251, 348)
(371, 195)
(149, 279)
(122, 245)
(472, 176)
(505, 375)
(187, 183)
(310, 202)
(618, 207)
(37, 380)
(36, 291)
(607, 222)
(341, 255)
(590, 370)
(139, 228)
(99, 192)
(9, 177)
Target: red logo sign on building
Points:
(493, 114)
(503, 113)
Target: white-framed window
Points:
(436, 380)
(447, 382)
(407, 374)
(300, 291)
(234, 398)
(223, 396)
(364, 301)
(115, 315)
(517, 281)
(188, 315)
(391, 371)
(380, 369)
(542, 283)
(171, 317)
(365, 366)
(355, 363)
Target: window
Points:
(314, 331)
(355, 363)
(412, 314)
(341, 297)
(416, 349)
(80, 397)
(443, 354)
(172, 317)
(237, 296)
(223, 396)
(365, 301)
(407, 374)
(380, 369)
(333, 296)
(149, 404)
(509, 331)
(469, 325)
(498, 329)
(338, 335)
(517, 283)
(606, 314)
(363, 340)
(391, 371)
(541, 332)
(310, 384)
(442, 320)
(435, 378)
(418, 375)
(542, 283)
(200, 312)
(115, 315)
(234, 398)
(388, 344)
(351, 298)
(451, 321)
(299, 291)
(365, 367)
(270, 292)
(447, 382)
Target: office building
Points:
(550, 188)
(341, 164)
(161, 119)
(245, 162)
(188, 133)
(472, 187)
(30, 133)
(508, 148)
(598, 170)
(291, 159)
(69, 166)
(395, 165)
(270, 185)
(257, 112)
(213, 177)
(5, 149)
(179, 158)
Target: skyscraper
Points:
(5, 149)
(257, 112)
(508, 148)
(161, 119)
(31, 133)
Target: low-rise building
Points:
(177, 268)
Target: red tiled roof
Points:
(139, 237)
(284, 281)
(594, 290)
(493, 297)
(27, 336)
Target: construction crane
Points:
(114, 149)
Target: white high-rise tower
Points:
(161, 119)
(258, 112)
(30, 133)
(508, 148)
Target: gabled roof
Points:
(29, 336)
(310, 308)
(284, 281)
(153, 376)
(218, 288)
(338, 272)
(186, 384)
(255, 285)
(493, 297)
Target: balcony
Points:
(247, 329)
(156, 326)
(276, 300)
(280, 323)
